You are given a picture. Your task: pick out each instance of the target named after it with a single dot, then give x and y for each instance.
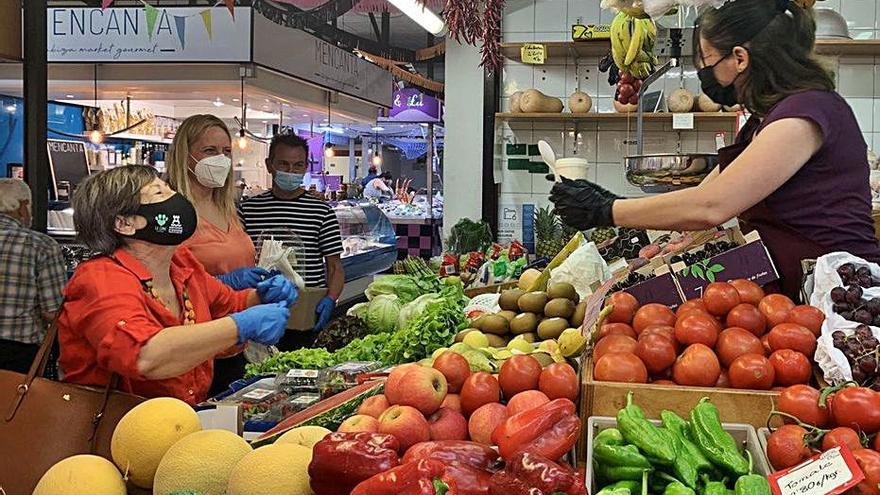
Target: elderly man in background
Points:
(32, 275)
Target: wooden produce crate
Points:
(490, 289)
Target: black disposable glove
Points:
(582, 204)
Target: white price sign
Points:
(683, 121)
(830, 473)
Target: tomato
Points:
(869, 461)
(720, 298)
(752, 371)
(791, 367)
(734, 342)
(787, 447)
(616, 329)
(652, 314)
(559, 381)
(749, 292)
(802, 402)
(696, 328)
(765, 341)
(858, 408)
(842, 436)
(657, 352)
(614, 343)
(518, 374)
(723, 380)
(478, 389)
(807, 316)
(697, 366)
(748, 317)
(620, 367)
(876, 443)
(625, 306)
(663, 382)
(792, 336)
(775, 308)
(692, 305)
(663, 330)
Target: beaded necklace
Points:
(189, 314)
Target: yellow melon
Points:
(527, 279)
(272, 470)
(200, 462)
(146, 432)
(307, 436)
(81, 474)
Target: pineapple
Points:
(548, 233)
(568, 232)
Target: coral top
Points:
(221, 252)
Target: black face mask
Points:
(169, 222)
(722, 95)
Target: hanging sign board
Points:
(67, 163)
(580, 32)
(10, 35)
(533, 53)
(411, 105)
(149, 34)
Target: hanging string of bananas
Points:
(632, 44)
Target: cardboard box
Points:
(302, 314)
(662, 288)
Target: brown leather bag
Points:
(44, 421)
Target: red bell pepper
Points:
(342, 460)
(549, 430)
(532, 474)
(516, 250)
(447, 451)
(423, 477)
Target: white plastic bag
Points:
(275, 256)
(825, 275)
(582, 268)
(659, 8)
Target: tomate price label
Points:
(830, 473)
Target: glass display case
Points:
(369, 242)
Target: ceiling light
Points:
(69, 96)
(242, 140)
(264, 121)
(267, 100)
(96, 137)
(422, 16)
(328, 151)
(305, 115)
(265, 107)
(217, 102)
(236, 99)
(377, 128)
(11, 108)
(285, 105)
(377, 159)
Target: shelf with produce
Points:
(596, 116)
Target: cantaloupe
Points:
(528, 278)
(272, 470)
(307, 436)
(534, 101)
(146, 432)
(680, 101)
(200, 462)
(579, 102)
(81, 474)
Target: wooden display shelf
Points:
(606, 116)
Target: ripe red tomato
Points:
(749, 292)
(621, 367)
(748, 317)
(802, 402)
(858, 408)
(734, 342)
(616, 329)
(807, 316)
(663, 382)
(478, 389)
(518, 374)
(665, 331)
(842, 435)
(652, 314)
(876, 444)
(723, 380)
(869, 461)
(720, 297)
(657, 352)
(692, 305)
(697, 328)
(787, 447)
(792, 367)
(752, 371)
(614, 343)
(697, 366)
(765, 341)
(559, 381)
(792, 336)
(625, 307)
(775, 308)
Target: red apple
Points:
(484, 421)
(452, 401)
(455, 368)
(396, 374)
(422, 388)
(407, 424)
(358, 423)
(518, 374)
(447, 424)
(479, 388)
(524, 401)
(374, 406)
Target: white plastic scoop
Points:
(549, 157)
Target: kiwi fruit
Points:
(532, 302)
(551, 328)
(509, 298)
(496, 340)
(494, 324)
(508, 315)
(460, 335)
(580, 311)
(524, 323)
(559, 308)
(530, 337)
(563, 290)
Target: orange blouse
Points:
(219, 251)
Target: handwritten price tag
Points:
(830, 473)
(682, 121)
(533, 53)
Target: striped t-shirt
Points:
(311, 220)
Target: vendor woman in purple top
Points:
(798, 173)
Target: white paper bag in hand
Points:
(582, 268)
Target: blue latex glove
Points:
(244, 278)
(277, 289)
(264, 323)
(323, 311)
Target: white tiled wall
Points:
(605, 144)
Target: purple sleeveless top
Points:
(829, 199)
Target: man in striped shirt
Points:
(287, 209)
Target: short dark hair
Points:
(386, 175)
(372, 169)
(290, 140)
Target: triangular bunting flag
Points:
(206, 20)
(106, 3)
(180, 22)
(152, 13)
(230, 5)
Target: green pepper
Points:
(611, 436)
(718, 446)
(680, 427)
(655, 442)
(620, 455)
(678, 488)
(635, 487)
(689, 461)
(715, 488)
(752, 484)
(617, 473)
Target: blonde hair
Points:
(178, 163)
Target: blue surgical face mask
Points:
(288, 181)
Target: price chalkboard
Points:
(67, 161)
